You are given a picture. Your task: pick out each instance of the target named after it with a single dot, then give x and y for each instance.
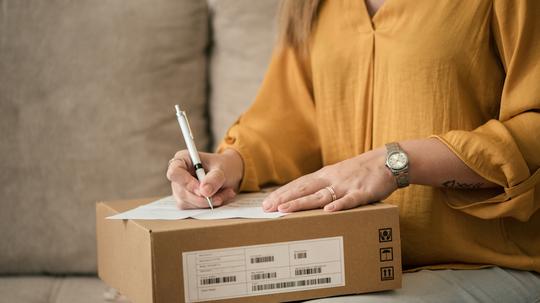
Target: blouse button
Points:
(230, 140)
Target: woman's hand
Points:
(356, 181)
(223, 175)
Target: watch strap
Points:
(402, 179)
(392, 148)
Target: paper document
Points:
(242, 206)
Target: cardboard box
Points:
(300, 256)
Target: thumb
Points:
(212, 182)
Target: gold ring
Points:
(332, 192)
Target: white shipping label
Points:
(263, 269)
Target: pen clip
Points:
(183, 113)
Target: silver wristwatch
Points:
(398, 163)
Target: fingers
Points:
(184, 179)
(212, 182)
(178, 170)
(323, 198)
(296, 189)
(188, 200)
(350, 200)
(183, 158)
(188, 191)
(316, 200)
(223, 196)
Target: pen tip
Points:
(210, 202)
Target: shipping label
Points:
(263, 269)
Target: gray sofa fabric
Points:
(87, 90)
(46, 289)
(243, 35)
(490, 285)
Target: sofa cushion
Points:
(243, 39)
(26, 289)
(49, 289)
(494, 285)
(442, 286)
(87, 90)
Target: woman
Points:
(360, 101)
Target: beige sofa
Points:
(87, 90)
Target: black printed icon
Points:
(387, 273)
(387, 254)
(385, 235)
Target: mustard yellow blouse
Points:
(467, 72)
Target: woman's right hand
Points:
(224, 173)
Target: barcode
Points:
(314, 281)
(218, 280)
(262, 259)
(300, 255)
(291, 284)
(308, 271)
(264, 275)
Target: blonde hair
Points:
(295, 22)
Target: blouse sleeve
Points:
(507, 151)
(277, 136)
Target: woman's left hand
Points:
(356, 181)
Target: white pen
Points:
(192, 149)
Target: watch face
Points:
(397, 160)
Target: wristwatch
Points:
(398, 163)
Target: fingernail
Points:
(208, 188)
(266, 204)
(329, 207)
(197, 192)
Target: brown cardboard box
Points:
(300, 256)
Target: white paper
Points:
(263, 269)
(243, 206)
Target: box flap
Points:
(124, 253)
